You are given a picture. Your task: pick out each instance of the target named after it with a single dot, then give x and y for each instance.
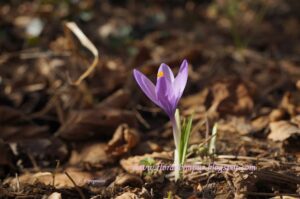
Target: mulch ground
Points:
(72, 125)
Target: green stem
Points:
(176, 131)
(175, 120)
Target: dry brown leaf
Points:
(146, 147)
(238, 124)
(127, 195)
(280, 178)
(99, 122)
(61, 180)
(196, 99)
(296, 120)
(244, 100)
(290, 67)
(282, 130)
(277, 114)
(25, 131)
(243, 183)
(9, 114)
(193, 53)
(55, 195)
(128, 180)
(124, 139)
(44, 152)
(231, 97)
(145, 194)
(288, 104)
(220, 93)
(241, 125)
(259, 123)
(244, 126)
(90, 153)
(14, 125)
(6, 157)
(118, 99)
(142, 55)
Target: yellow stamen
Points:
(160, 74)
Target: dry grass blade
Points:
(75, 185)
(71, 26)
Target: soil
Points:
(74, 122)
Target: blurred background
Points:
(244, 70)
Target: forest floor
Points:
(73, 126)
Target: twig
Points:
(142, 120)
(75, 185)
(54, 172)
(18, 183)
(197, 126)
(229, 182)
(42, 54)
(271, 194)
(246, 158)
(34, 163)
(207, 129)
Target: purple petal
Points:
(165, 71)
(146, 85)
(164, 92)
(181, 79)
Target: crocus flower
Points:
(168, 90)
(166, 94)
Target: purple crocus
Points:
(166, 94)
(168, 90)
